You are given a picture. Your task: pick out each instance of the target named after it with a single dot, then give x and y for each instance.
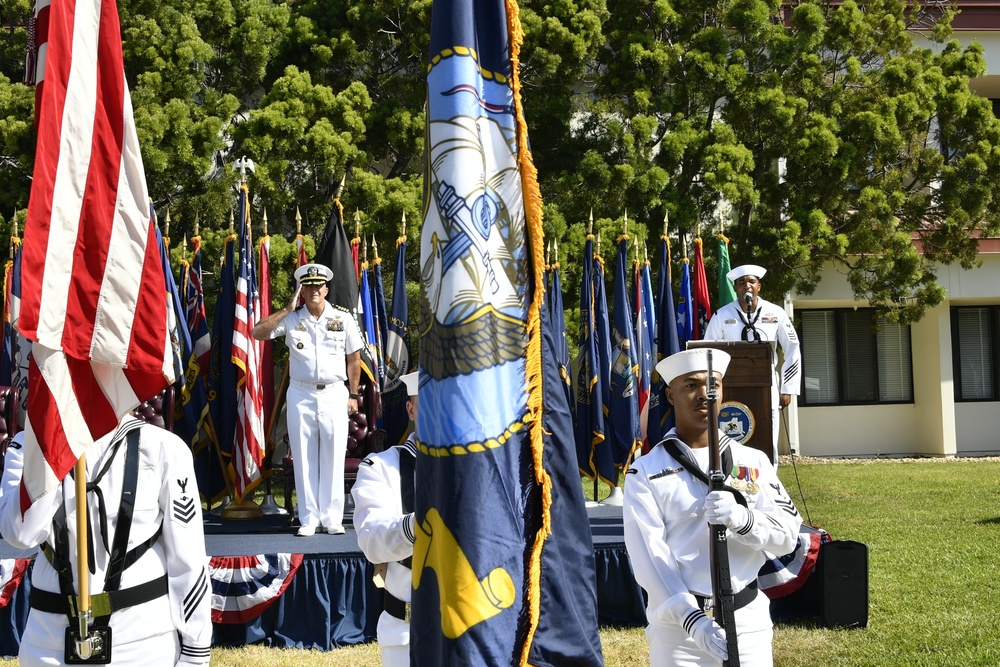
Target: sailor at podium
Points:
(752, 318)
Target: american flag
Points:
(246, 455)
(194, 307)
(92, 283)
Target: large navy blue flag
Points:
(685, 307)
(661, 413)
(175, 312)
(558, 313)
(222, 372)
(378, 303)
(397, 354)
(602, 341)
(593, 453)
(623, 410)
(484, 495)
(641, 287)
(370, 359)
(567, 631)
(191, 415)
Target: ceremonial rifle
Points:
(722, 582)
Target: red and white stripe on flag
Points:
(246, 355)
(93, 291)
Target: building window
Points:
(974, 334)
(851, 358)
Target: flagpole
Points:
(590, 232)
(84, 643)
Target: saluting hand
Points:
(294, 303)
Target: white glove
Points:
(722, 509)
(682, 610)
(708, 635)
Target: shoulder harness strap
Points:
(727, 464)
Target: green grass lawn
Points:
(931, 528)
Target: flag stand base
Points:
(247, 509)
(269, 507)
(616, 497)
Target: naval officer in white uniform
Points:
(324, 350)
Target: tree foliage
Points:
(679, 107)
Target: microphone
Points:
(749, 331)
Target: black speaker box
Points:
(836, 592)
(843, 569)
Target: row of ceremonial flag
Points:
(224, 394)
(616, 385)
(225, 391)
(503, 565)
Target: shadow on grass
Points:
(995, 521)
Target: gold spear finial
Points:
(666, 220)
(404, 224)
(184, 248)
(232, 220)
(590, 226)
(625, 225)
(196, 223)
(357, 222)
(374, 248)
(364, 248)
(340, 187)
(298, 221)
(265, 222)
(166, 225)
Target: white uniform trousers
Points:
(156, 651)
(671, 646)
(317, 435)
(396, 656)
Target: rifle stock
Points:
(722, 582)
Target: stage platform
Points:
(316, 592)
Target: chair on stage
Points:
(362, 439)
(159, 410)
(8, 419)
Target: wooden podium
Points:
(745, 410)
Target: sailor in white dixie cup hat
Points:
(324, 351)
(667, 507)
(383, 516)
(752, 318)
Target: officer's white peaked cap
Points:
(746, 270)
(313, 274)
(692, 361)
(411, 380)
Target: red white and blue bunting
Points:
(244, 586)
(782, 576)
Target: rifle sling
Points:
(727, 464)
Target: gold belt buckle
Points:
(406, 612)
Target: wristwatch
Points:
(356, 397)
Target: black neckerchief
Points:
(406, 480)
(750, 324)
(672, 445)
